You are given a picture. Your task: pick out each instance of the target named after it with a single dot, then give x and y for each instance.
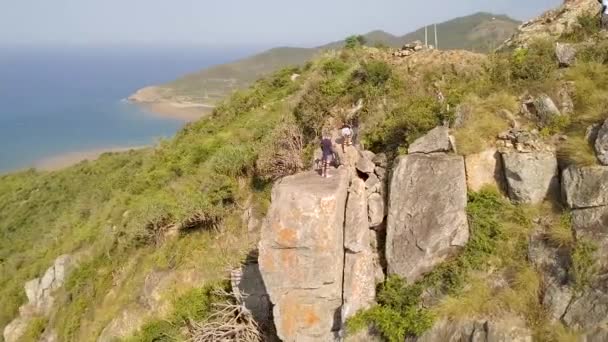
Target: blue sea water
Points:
(60, 100)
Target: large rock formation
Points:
(553, 23)
(427, 222)
(531, 177)
(302, 255)
(39, 292)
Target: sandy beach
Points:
(179, 111)
(64, 160)
(157, 100)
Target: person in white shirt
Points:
(604, 15)
(347, 136)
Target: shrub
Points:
(483, 121)
(376, 73)
(35, 329)
(354, 41)
(284, 155)
(588, 26)
(560, 233)
(398, 314)
(584, 266)
(334, 67)
(535, 63)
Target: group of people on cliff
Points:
(327, 147)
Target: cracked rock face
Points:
(427, 221)
(302, 255)
(359, 264)
(510, 329)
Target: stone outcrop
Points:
(483, 169)
(302, 255)
(152, 301)
(566, 54)
(39, 292)
(509, 329)
(545, 110)
(552, 24)
(436, 140)
(409, 49)
(601, 144)
(585, 187)
(427, 222)
(530, 177)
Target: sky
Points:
(231, 22)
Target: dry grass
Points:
(485, 122)
(577, 151)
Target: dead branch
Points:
(230, 322)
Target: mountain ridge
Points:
(201, 90)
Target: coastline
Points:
(159, 101)
(173, 110)
(65, 160)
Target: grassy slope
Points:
(478, 32)
(475, 32)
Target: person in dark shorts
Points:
(328, 154)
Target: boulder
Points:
(15, 329)
(508, 329)
(484, 169)
(365, 165)
(301, 254)
(365, 335)
(591, 224)
(380, 172)
(546, 111)
(530, 177)
(463, 113)
(585, 187)
(381, 160)
(588, 311)
(436, 140)
(566, 54)
(597, 335)
(373, 184)
(124, 324)
(427, 221)
(601, 144)
(376, 209)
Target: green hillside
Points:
(177, 208)
(479, 32)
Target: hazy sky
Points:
(231, 22)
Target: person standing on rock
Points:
(328, 154)
(347, 136)
(604, 15)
